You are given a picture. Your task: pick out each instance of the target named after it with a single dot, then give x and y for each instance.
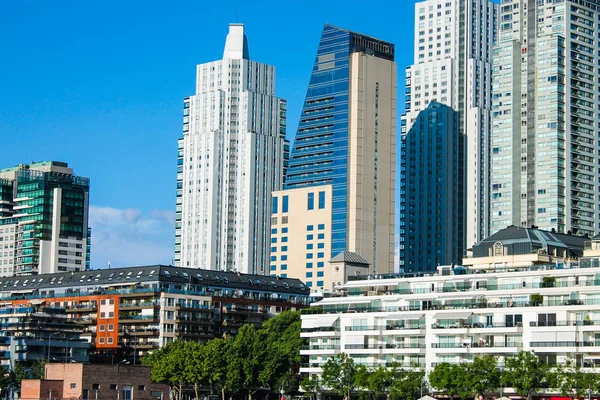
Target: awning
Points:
(35, 302)
(456, 315)
(325, 320)
(25, 291)
(401, 317)
(358, 301)
(121, 284)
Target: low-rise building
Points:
(39, 333)
(460, 312)
(88, 381)
(127, 312)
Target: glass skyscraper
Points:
(345, 148)
(43, 219)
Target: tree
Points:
(526, 373)
(406, 383)
(168, 365)
(312, 384)
(248, 356)
(572, 381)
(216, 363)
(283, 341)
(378, 381)
(339, 374)
(482, 375)
(193, 372)
(449, 378)
(38, 369)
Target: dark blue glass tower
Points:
(320, 152)
(432, 192)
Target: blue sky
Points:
(100, 85)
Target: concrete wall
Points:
(41, 389)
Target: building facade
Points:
(544, 145)
(231, 157)
(433, 190)
(452, 66)
(126, 312)
(342, 166)
(88, 381)
(43, 219)
(457, 314)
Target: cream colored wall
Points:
(363, 230)
(298, 218)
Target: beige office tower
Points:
(545, 149)
(336, 214)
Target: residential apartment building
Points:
(452, 66)
(458, 313)
(35, 332)
(340, 184)
(231, 157)
(43, 219)
(126, 312)
(544, 144)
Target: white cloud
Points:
(131, 237)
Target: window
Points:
(309, 246)
(320, 274)
(311, 201)
(113, 387)
(111, 314)
(309, 265)
(321, 200)
(141, 388)
(309, 274)
(95, 386)
(102, 328)
(284, 258)
(109, 340)
(285, 204)
(101, 340)
(284, 230)
(283, 248)
(320, 283)
(320, 255)
(283, 267)
(310, 227)
(309, 256)
(320, 264)
(321, 245)
(321, 227)
(274, 208)
(321, 236)
(309, 237)
(73, 385)
(273, 267)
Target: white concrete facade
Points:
(231, 158)
(452, 65)
(453, 318)
(544, 145)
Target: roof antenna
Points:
(109, 265)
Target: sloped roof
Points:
(349, 257)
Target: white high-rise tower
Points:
(545, 147)
(231, 157)
(453, 66)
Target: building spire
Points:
(236, 45)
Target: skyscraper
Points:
(433, 183)
(452, 66)
(232, 156)
(43, 219)
(339, 186)
(545, 148)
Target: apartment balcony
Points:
(319, 350)
(479, 348)
(322, 331)
(565, 346)
(137, 306)
(387, 348)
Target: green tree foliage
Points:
(406, 384)
(253, 360)
(312, 384)
(340, 374)
(526, 373)
(482, 375)
(449, 378)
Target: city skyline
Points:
(130, 111)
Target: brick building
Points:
(89, 381)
